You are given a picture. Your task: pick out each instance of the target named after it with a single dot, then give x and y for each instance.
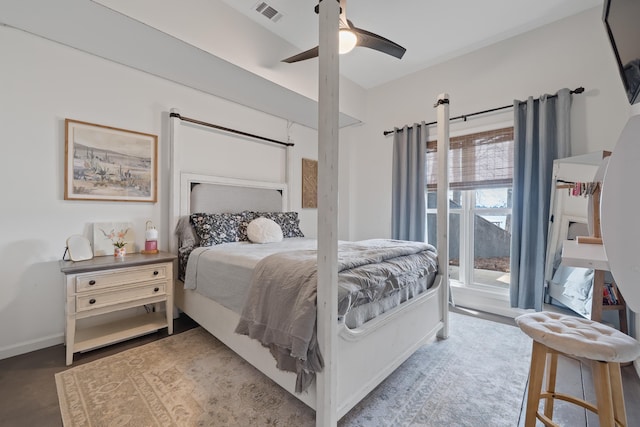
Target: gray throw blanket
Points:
(280, 310)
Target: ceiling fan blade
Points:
(343, 14)
(308, 54)
(376, 42)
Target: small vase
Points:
(120, 251)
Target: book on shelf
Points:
(614, 291)
(609, 296)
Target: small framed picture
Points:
(106, 163)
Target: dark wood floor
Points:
(574, 378)
(28, 394)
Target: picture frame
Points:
(109, 164)
(309, 183)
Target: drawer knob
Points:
(92, 301)
(155, 273)
(156, 289)
(92, 282)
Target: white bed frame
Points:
(384, 342)
(391, 337)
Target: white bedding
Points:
(223, 272)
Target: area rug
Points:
(476, 377)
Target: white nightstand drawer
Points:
(101, 299)
(92, 281)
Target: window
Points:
(480, 202)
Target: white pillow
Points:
(264, 230)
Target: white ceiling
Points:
(432, 31)
(226, 48)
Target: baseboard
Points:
(495, 302)
(29, 346)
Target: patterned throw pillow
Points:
(245, 218)
(288, 222)
(213, 229)
(183, 258)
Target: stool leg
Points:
(552, 368)
(536, 374)
(602, 383)
(617, 394)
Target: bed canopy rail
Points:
(230, 130)
(464, 117)
(176, 162)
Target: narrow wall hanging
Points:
(309, 183)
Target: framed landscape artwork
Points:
(107, 163)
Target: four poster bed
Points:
(372, 342)
(359, 351)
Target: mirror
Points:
(79, 248)
(569, 287)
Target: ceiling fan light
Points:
(347, 41)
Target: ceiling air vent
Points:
(268, 11)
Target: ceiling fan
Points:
(350, 37)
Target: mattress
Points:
(223, 273)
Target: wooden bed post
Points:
(443, 206)
(174, 169)
(288, 173)
(328, 111)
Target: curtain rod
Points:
(491, 110)
(239, 132)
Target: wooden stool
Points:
(605, 347)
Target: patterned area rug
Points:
(476, 377)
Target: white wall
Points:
(569, 53)
(247, 71)
(41, 84)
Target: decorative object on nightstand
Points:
(119, 248)
(150, 239)
(110, 235)
(109, 284)
(79, 248)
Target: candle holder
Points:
(150, 239)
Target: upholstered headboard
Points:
(214, 194)
(217, 198)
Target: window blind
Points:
(478, 160)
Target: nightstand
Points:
(108, 284)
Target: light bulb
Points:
(347, 41)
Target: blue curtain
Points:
(408, 217)
(541, 135)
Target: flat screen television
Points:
(621, 18)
